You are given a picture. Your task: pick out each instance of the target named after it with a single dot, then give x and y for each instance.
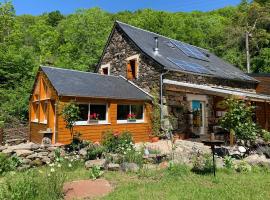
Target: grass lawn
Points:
(183, 184)
(177, 183)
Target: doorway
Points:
(198, 119)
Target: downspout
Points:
(161, 95)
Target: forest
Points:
(76, 41)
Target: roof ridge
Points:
(159, 34)
(74, 70)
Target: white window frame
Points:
(108, 65)
(126, 121)
(80, 123)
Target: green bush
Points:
(202, 164)
(239, 119)
(133, 157)
(95, 172)
(94, 151)
(265, 135)
(8, 163)
(243, 167)
(228, 162)
(117, 143)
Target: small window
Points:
(124, 112)
(35, 112)
(105, 71)
(132, 69)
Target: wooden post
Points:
(231, 137)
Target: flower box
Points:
(131, 120)
(93, 121)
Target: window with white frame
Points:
(105, 69)
(89, 113)
(130, 113)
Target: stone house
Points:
(191, 81)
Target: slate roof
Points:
(144, 40)
(86, 84)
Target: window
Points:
(34, 115)
(132, 69)
(124, 111)
(105, 69)
(90, 112)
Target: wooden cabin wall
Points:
(93, 132)
(38, 97)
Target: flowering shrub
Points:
(117, 143)
(131, 116)
(94, 151)
(94, 116)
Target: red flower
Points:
(94, 116)
(131, 116)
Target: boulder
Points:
(83, 152)
(25, 161)
(24, 146)
(23, 153)
(36, 163)
(42, 154)
(90, 163)
(113, 167)
(129, 167)
(259, 160)
(7, 151)
(45, 159)
(52, 148)
(32, 156)
(2, 148)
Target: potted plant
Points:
(131, 117)
(93, 118)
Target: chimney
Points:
(156, 44)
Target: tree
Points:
(70, 113)
(54, 18)
(7, 18)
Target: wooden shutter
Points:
(129, 71)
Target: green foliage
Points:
(202, 164)
(239, 119)
(32, 185)
(8, 163)
(115, 142)
(228, 162)
(265, 135)
(243, 167)
(94, 151)
(70, 113)
(133, 156)
(155, 114)
(95, 172)
(77, 40)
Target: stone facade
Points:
(176, 107)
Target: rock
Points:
(23, 167)
(23, 153)
(46, 141)
(7, 151)
(42, 154)
(129, 167)
(46, 160)
(91, 163)
(242, 149)
(36, 163)
(51, 155)
(259, 160)
(259, 141)
(83, 152)
(24, 146)
(52, 148)
(2, 148)
(113, 167)
(32, 156)
(25, 161)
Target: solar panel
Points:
(188, 66)
(189, 50)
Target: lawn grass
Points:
(187, 185)
(177, 183)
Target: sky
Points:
(37, 7)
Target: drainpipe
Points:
(161, 94)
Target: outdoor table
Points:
(213, 143)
